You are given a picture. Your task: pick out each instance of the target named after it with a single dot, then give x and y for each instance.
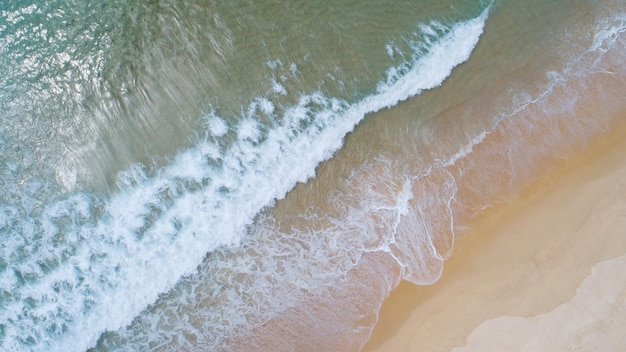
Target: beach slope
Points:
(544, 273)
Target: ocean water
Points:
(254, 176)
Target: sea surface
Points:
(258, 175)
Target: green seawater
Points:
(92, 88)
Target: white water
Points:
(86, 265)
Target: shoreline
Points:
(520, 259)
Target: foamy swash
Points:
(86, 265)
(316, 281)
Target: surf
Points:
(85, 264)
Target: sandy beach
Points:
(545, 273)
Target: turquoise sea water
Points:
(258, 176)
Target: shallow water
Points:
(164, 184)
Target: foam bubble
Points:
(217, 126)
(278, 88)
(609, 33)
(266, 106)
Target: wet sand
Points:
(544, 273)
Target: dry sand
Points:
(547, 273)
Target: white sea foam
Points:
(277, 271)
(278, 88)
(90, 265)
(609, 33)
(217, 126)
